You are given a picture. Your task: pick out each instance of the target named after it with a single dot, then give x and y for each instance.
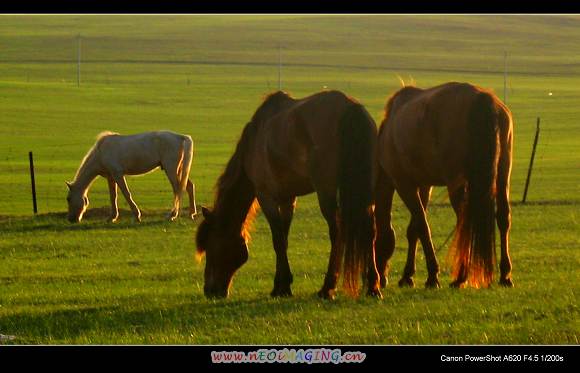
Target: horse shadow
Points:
(95, 219)
(63, 326)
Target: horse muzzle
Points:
(213, 293)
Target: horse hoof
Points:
(432, 284)
(406, 282)
(384, 281)
(329, 294)
(457, 284)
(112, 220)
(375, 293)
(172, 216)
(281, 293)
(506, 282)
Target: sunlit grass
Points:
(126, 283)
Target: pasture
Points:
(128, 283)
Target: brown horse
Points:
(455, 135)
(324, 143)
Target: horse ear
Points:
(401, 81)
(68, 184)
(206, 212)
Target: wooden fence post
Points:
(31, 161)
(531, 161)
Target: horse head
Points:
(77, 202)
(225, 251)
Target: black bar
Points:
(292, 358)
(296, 6)
(531, 161)
(32, 182)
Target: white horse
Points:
(113, 156)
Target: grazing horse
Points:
(324, 143)
(455, 135)
(113, 156)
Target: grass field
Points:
(127, 283)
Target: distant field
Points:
(98, 283)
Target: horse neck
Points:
(87, 172)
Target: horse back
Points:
(425, 138)
(301, 137)
(315, 120)
(140, 153)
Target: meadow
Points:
(129, 283)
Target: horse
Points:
(456, 135)
(324, 143)
(113, 156)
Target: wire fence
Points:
(54, 165)
(151, 192)
(57, 152)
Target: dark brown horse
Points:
(455, 135)
(324, 143)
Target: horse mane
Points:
(235, 167)
(235, 201)
(411, 83)
(233, 186)
(104, 134)
(271, 104)
(248, 225)
(91, 152)
(402, 92)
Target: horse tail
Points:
(184, 165)
(475, 235)
(357, 132)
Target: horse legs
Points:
(190, 187)
(113, 196)
(457, 196)
(412, 200)
(328, 207)
(279, 216)
(385, 240)
(171, 173)
(413, 232)
(503, 213)
(122, 183)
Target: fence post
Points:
(532, 160)
(31, 161)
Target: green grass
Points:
(98, 283)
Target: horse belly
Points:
(140, 166)
(141, 171)
(408, 164)
(434, 168)
(290, 176)
(294, 185)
